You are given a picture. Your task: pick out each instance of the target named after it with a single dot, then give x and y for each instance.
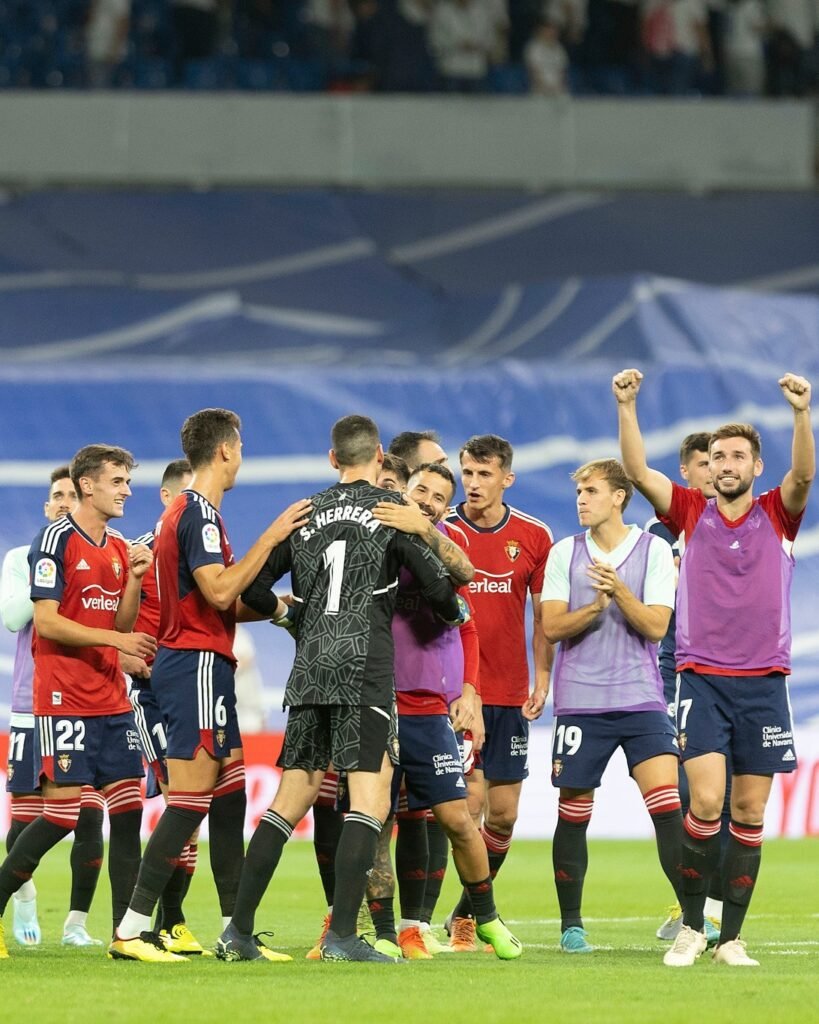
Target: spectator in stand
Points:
(675, 36)
(196, 31)
(745, 48)
(793, 29)
(462, 41)
(658, 45)
(498, 13)
(330, 26)
(398, 52)
(692, 45)
(106, 40)
(716, 15)
(546, 62)
(621, 29)
(571, 18)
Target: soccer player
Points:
(23, 783)
(696, 471)
(394, 475)
(417, 448)
(733, 649)
(508, 549)
(432, 707)
(85, 584)
(426, 849)
(607, 600)
(170, 923)
(199, 584)
(344, 566)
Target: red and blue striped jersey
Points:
(191, 534)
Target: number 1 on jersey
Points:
(334, 561)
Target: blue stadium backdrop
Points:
(121, 313)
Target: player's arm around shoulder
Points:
(652, 484)
(407, 517)
(221, 585)
(431, 576)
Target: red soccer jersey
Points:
(87, 580)
(469, 632)
(688, 504)
(510, 561)
(189, 535)
(148, 617)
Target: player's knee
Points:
(502, 820)
(707, 804)
(459, 827)
(748, 809)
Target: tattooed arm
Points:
(410, 519)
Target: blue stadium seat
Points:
(305, 75)
(152, 74)
(207, 75)
(510, 79)
(258, 75)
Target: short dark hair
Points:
(728, 430)
(90, 460)
(204, 431)
(396, 465)
(485, 447)
(355, 440)
(406, 444)
(436, 467)
(175, 471)
(612, 472)
(694, 443)
(60, 473)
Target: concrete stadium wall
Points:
(368, 141)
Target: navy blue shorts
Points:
(746, 718)
(670, 680)
(197, 701)
(152, 737)
(429, 761)
(582, 745)
(83, 751)
(505, 753)
(23, 771)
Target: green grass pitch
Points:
(623, 981)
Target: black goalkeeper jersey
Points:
(344, 566)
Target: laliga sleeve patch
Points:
(211, 540)
(45, 574)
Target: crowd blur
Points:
(549, 47)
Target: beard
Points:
(734, 489)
